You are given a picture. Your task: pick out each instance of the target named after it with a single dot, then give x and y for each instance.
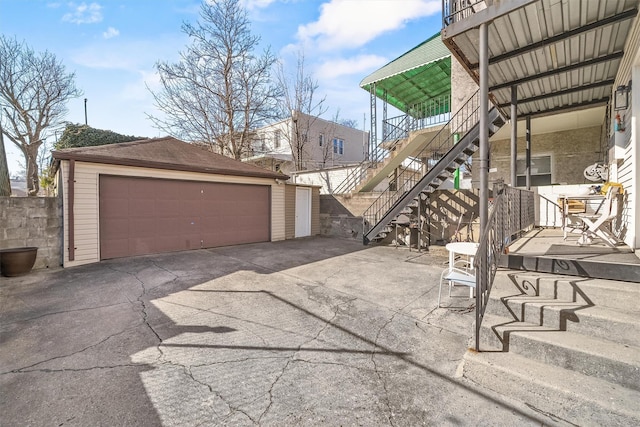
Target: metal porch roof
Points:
(560, 54)
(418, 75)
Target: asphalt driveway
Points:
(314, 331)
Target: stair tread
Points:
(543, 385)
(582, 281)
(614, 314)
(625, 296)
(566, 339)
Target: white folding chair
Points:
(461, 275)
(598, 224)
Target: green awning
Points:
(419, 75)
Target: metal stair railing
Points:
(419, 116)
(511, 214)
(458, 126)
(359, 173)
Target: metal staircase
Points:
(401, 203)
(396, 134)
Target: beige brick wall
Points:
(571, 152)
(462, 85)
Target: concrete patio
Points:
(306, 332)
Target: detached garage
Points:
(163, 195)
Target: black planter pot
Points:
(17, 261)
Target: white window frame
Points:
(276, 138)
(338, 146)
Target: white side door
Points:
(303, 212)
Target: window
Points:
(259, 143)
(338, 146)
(276, 139)
(321, 140)
(540, 171)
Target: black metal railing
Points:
(511, 214)
(456, 10)
(416, 167)
(394, 131)
(420, 115)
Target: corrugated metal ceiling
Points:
(560, 53)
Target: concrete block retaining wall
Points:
(341, 226)
(33, 221)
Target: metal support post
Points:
(373, 139)
(483, 112)
(385, 126)
(528, 154)
(514, 135)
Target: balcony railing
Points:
(419, 116)
(457, 10)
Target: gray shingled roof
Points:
(165, 153)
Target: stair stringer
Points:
(429, 182)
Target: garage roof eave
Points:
(164, 153)
(160, 165)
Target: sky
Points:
(112, 46)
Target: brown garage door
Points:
(144, 216)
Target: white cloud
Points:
(83, 13)
(110, 33)
(137, 90)
(256, 4)
(353, 23)
(343, 67)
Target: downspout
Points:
(70, 219)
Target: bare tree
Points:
(219, 90)
(351, 123)
(327, 150)
(34, 91)
(299, 96)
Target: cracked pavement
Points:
(311, 331)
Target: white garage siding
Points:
(86, 203)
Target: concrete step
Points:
(614, 294)
(566, 396)
(596, 357)
(585, 267)
(600, 322)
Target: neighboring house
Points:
(304, 142)
(163, 195)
